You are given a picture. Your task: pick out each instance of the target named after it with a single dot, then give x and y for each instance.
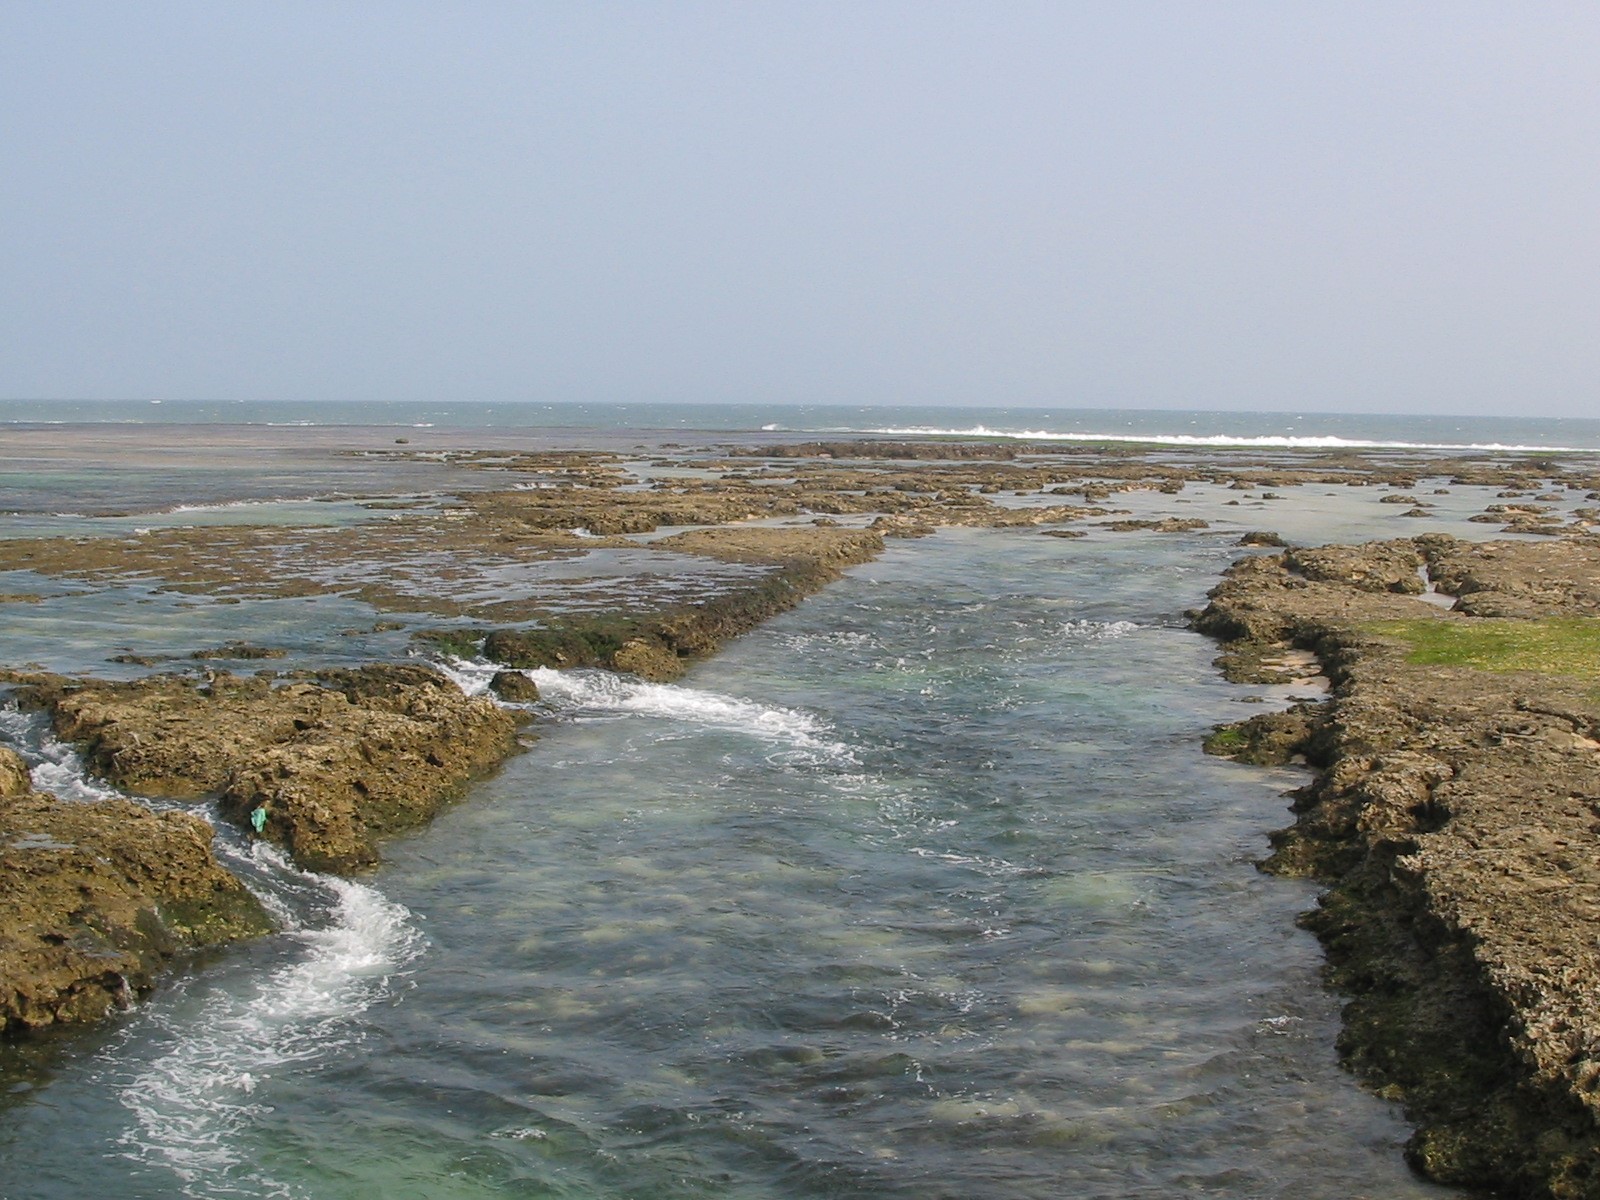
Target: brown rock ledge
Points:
(662, 644)
(97, 899)
(1454, 816)
(337, 759)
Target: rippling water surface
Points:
(922, 890)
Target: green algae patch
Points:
(1225, 741)
(1554, 646)
(1266, 739)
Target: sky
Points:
(1284, 206)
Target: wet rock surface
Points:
(335, 760)
(1455, 814)
(661, 645)
(96, 900)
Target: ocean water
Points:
(923, 889)
(614, 422)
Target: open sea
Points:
(610, 421)
(922, 890)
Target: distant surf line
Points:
(1201, 441)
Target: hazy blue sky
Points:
(1277, 205)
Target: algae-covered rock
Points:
(662, 644)
(514, 687)
(1266, 739)
(97, 898)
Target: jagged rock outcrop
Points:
(96, 899)
(333, 760)
(1516, 579)
(1455, 814)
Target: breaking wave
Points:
(56, 767)
(600, 692)
(583, 693)
(1261, 441)
(192, 1102)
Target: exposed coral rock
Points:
(1454, 816)
(97, 898)
(15, 778)
(1262, 537)
(336, 758)
(1299, 597)
(1374, 567)
(1515, 579)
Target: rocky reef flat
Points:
(1454, 814)
(1457, 753)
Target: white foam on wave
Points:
(1261, 441)
(472, 676)
(56, 767)
(224, 505)
(603, 693)
(193, 1103)
(1093, 631)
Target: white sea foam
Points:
(596, 693)
(56, 767)
(191, 1103)
(1260, 441)
(472, 676)
(983, 864)
(224, 505)
(1093, 631)
(605, 692)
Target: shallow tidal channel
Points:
(923, 889)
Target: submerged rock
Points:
(1164, 525)
(514, 687)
